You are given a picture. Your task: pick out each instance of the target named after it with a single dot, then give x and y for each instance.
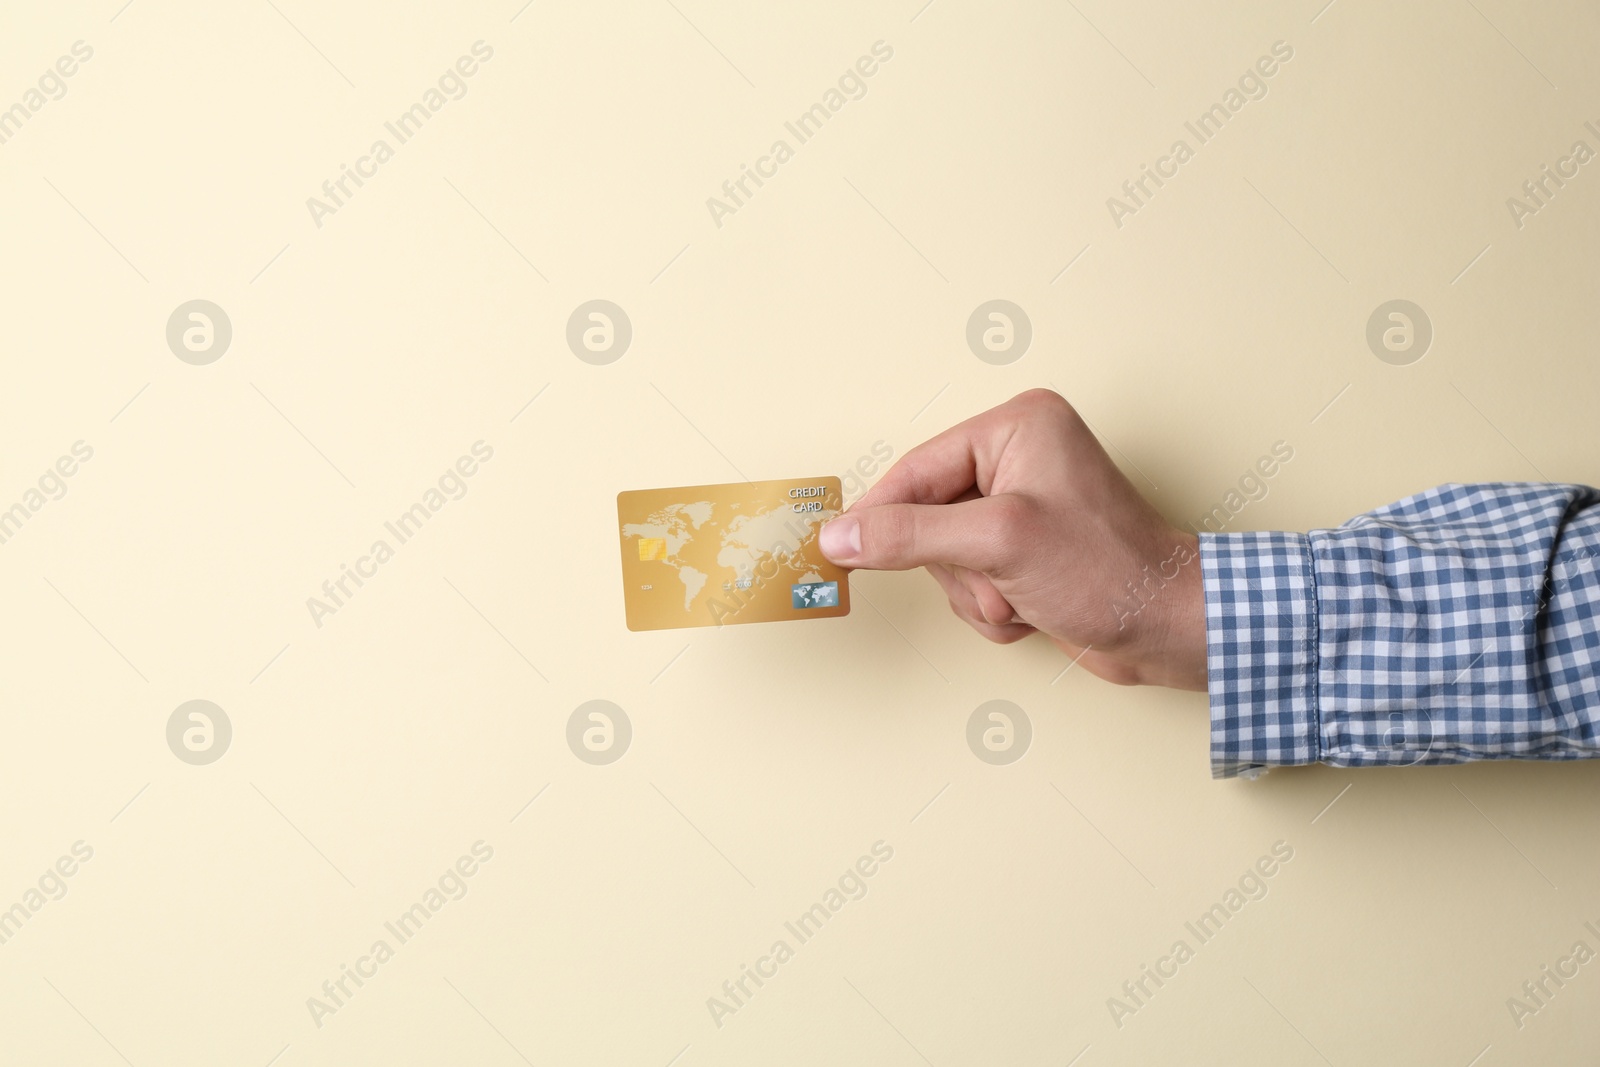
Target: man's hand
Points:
(1028, 526)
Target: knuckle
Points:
(890, 536)
(1046, 401)
(1013, 512)
(1051, 408)
(1013, 533)
(1004, 635)
(994, 607)
(1120, 676)
(916, 479)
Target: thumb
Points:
(976, 534)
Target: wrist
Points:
(1174, 652)
(1159, 636)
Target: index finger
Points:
(946, 466)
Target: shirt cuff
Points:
(1261, 651)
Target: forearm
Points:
(1458, 624)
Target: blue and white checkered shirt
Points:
(1458, 624)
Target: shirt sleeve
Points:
(1461, 623)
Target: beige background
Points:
(369, 354)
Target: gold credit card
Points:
(707, 555)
